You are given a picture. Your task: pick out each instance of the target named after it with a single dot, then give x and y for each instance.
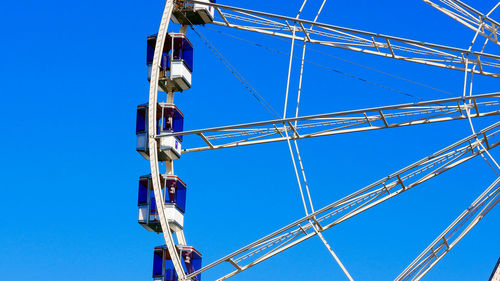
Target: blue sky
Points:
(72, 74)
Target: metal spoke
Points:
(297, 151)
(409, 114)
(360, 41)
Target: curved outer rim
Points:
(153, 145)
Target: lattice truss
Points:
(465, 106)
(370, 42)
(345, 122)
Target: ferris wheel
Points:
(160, 130)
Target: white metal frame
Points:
(351, 121)
(294, 128)
(469, 17)
(358, 40)
(359, 201)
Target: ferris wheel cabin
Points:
(176, 63)
(174, 193)
(193, 14)
(163, 268)
(169, 120)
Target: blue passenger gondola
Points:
(169, 119)
(163, 268)
(193, 14)
(176, 64)
(174, 193)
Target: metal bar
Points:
(475, 106)
(383, 118)
(367, 119)
(400, 181)
(297, 135)
(231, 261)
(390, 47)
(486, 141)
(479, 64)
(277, 130)
(334, 255)
(305, 32)
(460, 107)
(446, 243)
(375, 44)
(329, 248)
(206, 140)
(222, 16)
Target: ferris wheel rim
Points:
(153, 144)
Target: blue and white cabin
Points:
(163, 268)
(174, 193)
(169, 120)
(193, 14)
(176, 64)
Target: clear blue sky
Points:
(72, 74)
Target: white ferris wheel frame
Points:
(315, 222)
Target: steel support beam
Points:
(359, 40)
(368, 119)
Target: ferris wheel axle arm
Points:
(359, 201)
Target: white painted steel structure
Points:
(495, 274)
(469, 17)
(384, 117)
(290, 129)
(153, 144)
